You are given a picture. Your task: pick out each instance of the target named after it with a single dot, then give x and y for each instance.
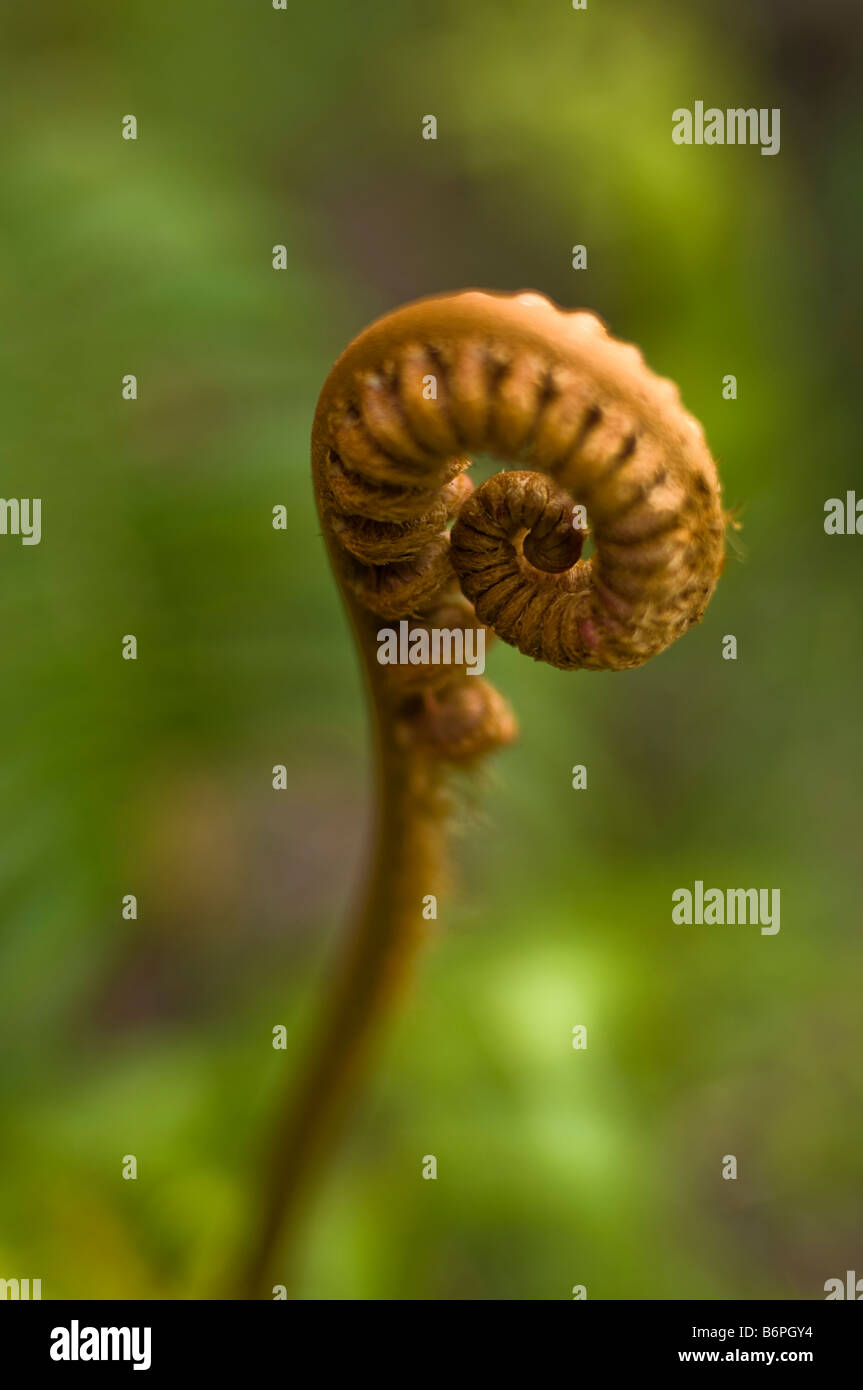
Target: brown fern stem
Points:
(374, 969)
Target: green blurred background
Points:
(153, 777)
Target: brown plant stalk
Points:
(587, 425)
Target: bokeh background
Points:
(153, 777)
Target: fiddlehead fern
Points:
(588, 426)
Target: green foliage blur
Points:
(153, 1037)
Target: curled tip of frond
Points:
(592, 432)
